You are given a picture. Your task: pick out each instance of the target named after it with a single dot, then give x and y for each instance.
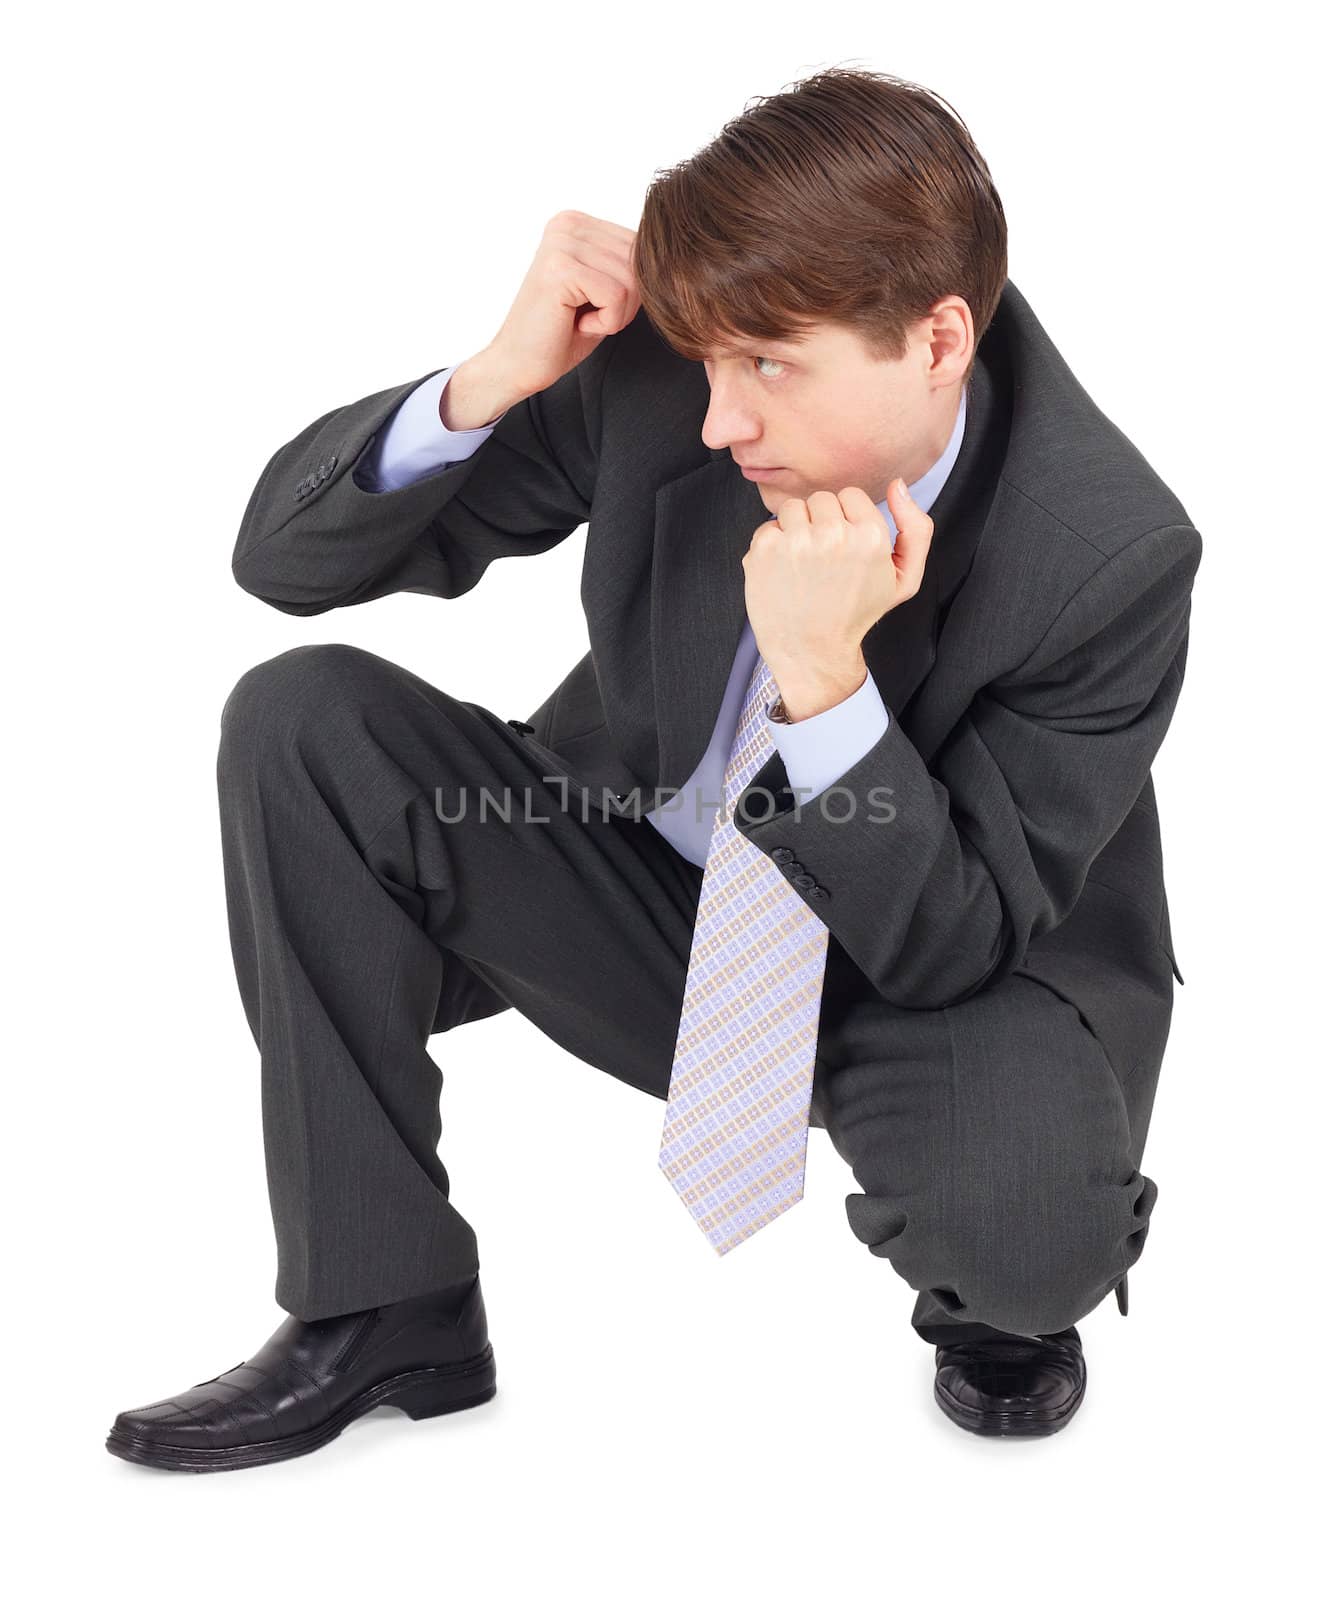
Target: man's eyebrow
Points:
(762, 347)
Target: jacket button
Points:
(782, 854)
(804, 881)
(522, 727)
(791, 867)
(817, 892)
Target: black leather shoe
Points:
(1009, 1387)
(427, 1355)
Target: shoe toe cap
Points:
(195, 1418)
(991, 1385)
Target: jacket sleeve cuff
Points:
(415, 442)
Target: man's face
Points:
(827, 414)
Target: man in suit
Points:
(900, 625)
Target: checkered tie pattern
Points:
(737, 1114)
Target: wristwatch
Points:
(777, 713)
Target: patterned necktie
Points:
(737, 1113)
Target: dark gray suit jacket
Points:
(1005, 821)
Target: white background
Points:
(223, 223)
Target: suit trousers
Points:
(397, 863)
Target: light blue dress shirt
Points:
(816, 752)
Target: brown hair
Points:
(853, 197)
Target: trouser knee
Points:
(274, 701)
(1031, 1265)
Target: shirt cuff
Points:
(415, 442)
(818, 750)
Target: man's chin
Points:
(774, 495)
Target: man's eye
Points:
(772, 359)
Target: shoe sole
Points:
(424, 1392)
(1010, 1424)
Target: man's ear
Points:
(949, 330)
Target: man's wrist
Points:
(477, 394)
(806, 692)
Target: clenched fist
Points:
(579, 288)
(817, 576)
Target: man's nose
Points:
(726, 425)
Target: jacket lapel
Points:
(705, 521)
